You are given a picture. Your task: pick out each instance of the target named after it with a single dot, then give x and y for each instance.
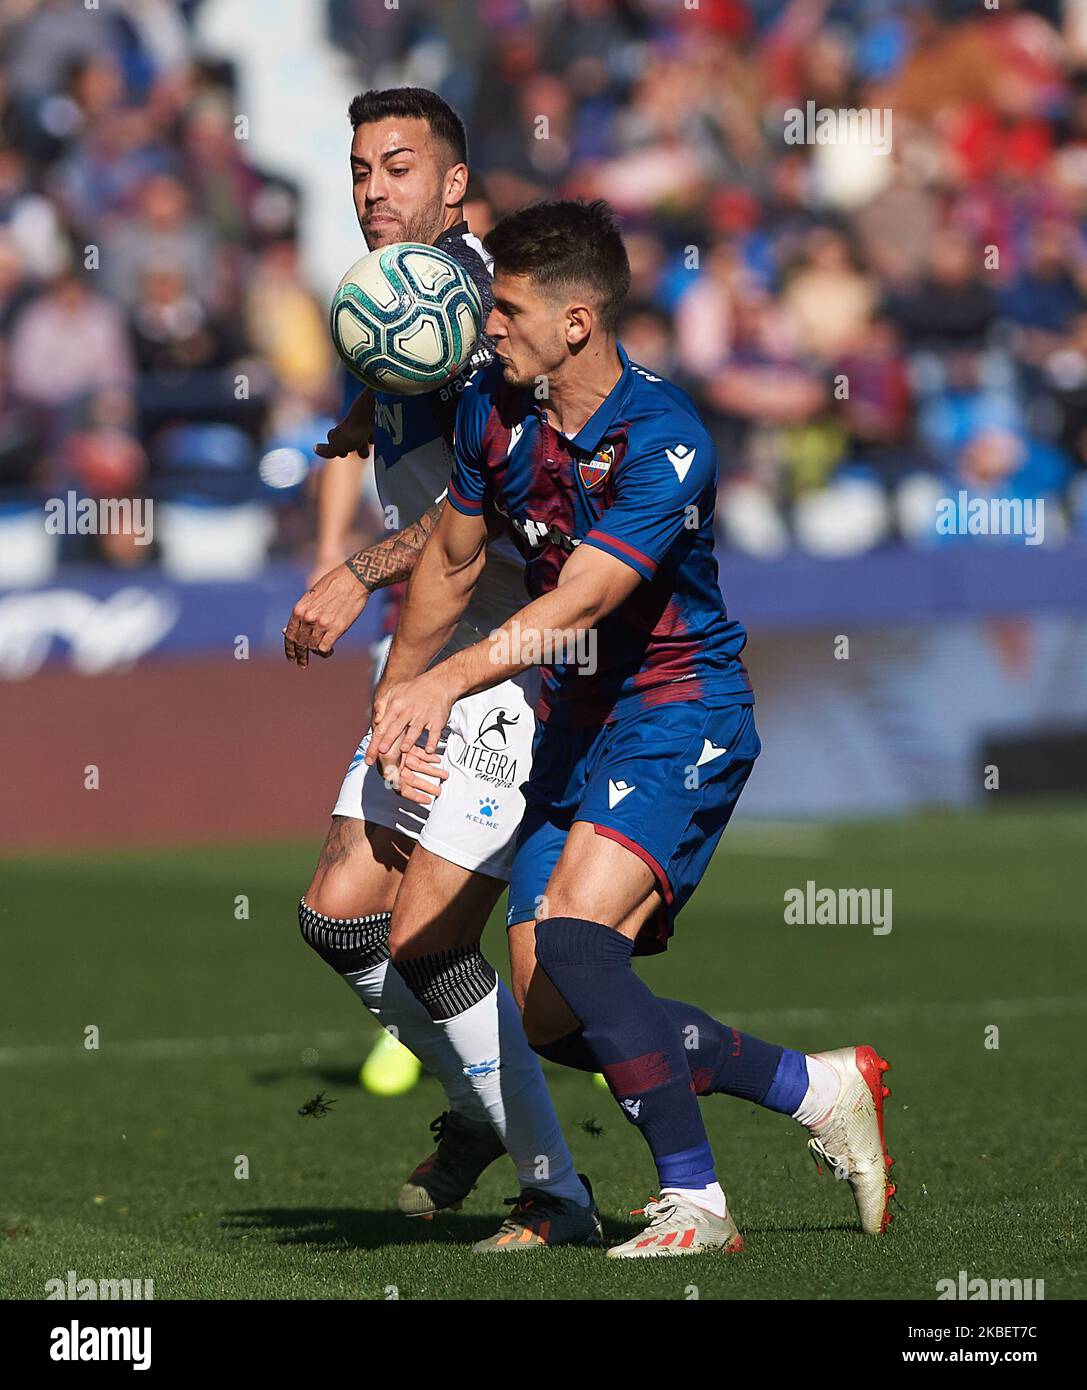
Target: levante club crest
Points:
(593, 471)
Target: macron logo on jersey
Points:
(617, 791)
(515, 438)
(681, 458)
(709, 752)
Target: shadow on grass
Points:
(848, 1228)
(331, 1076)
(359, 1229)
(356, 1228)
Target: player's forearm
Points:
(439, 591)
(392, 560)
(530, 637)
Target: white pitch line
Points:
(263, 1044)
(954, 1011)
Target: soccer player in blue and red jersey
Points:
(605, 478)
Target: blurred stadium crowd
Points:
(865, 332)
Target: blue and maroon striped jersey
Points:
(639, 481)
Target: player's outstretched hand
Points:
(402, 711)
(354, 434)
(323, 614)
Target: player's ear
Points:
(456, 184)
(579, 323)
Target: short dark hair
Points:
(566, 242)
(418, 103)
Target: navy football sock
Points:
(722, 1060)
(634, 1042)
(727, 1062)
(790, 1084)
(571, 1050)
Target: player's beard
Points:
(423, 226)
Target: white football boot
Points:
(850, 1140)
(679, 1227)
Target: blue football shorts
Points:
(662, 782)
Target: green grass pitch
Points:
(120, 1162)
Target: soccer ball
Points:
(405, 318)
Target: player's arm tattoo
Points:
(392, 560)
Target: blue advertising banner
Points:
(95, 620)
(101, 620)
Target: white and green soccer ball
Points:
(405, 318)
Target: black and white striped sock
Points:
(447, 983)
(346, 943)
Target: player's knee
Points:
(348, 944)
(333, 895)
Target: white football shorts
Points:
(487, 751)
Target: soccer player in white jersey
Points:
(390, 869)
